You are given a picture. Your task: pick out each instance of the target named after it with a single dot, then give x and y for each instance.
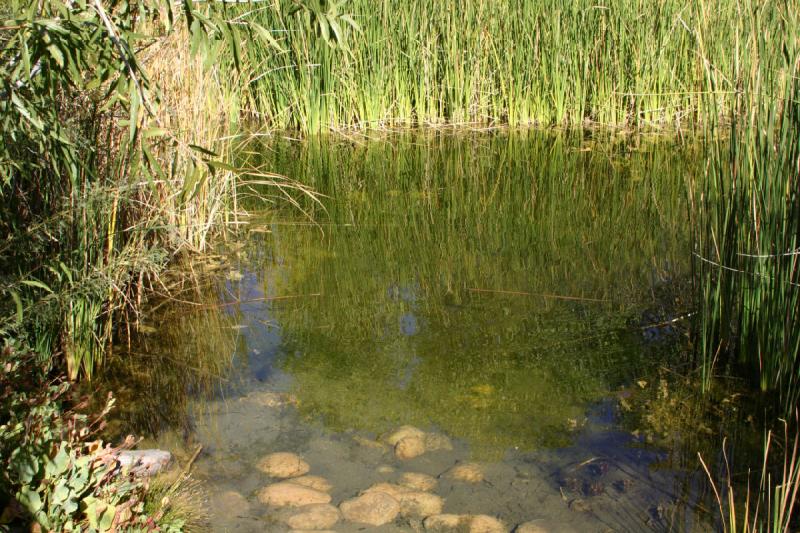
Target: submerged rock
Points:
(369, 443)
(372, 508)
(289, 494)
(271, 399)
(386, 469)
(466, 472)
(417, 481)
(403, 432)
(231, 502)
(446, 523)
(486, 524)
(409, 447)
(437, 441)
(413, 503)
(315, 516)
(315, 482)
(580, 506)
(144, 462)
(283, 465)
(395, 491)
(531, 527)
(418, 504)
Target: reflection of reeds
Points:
(189, 354)
(416, 223)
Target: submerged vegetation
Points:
(120, 120)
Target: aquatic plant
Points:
(473, 62)
(769, 505)
(747, 253)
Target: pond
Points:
(503, 292)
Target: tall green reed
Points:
(748, 225)
(629, 63)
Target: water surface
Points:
(502, 289)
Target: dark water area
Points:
(522, 296)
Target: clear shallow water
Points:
(501, 289)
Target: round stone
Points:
(466, 472)
(231, 503)
(419, 504)
(315, 516)
(437, 441)
(409, 447)
(395, 491)
(445, 523)
(315, 482)
(417, 481)
(531, 527)
(283, 465)
(486, 524)
(373, 508)
(403, 432)
(288, 494)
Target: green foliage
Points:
(748, 225)
(622, 64)
(59, 478)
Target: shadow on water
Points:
(507, 290)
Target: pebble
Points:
(283, 465)
(315, 482)
(417, 481)
(467, 472)
(315, 516)
(386, 469)
(373, 508)
(288, 494)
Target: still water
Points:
(509, 292)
